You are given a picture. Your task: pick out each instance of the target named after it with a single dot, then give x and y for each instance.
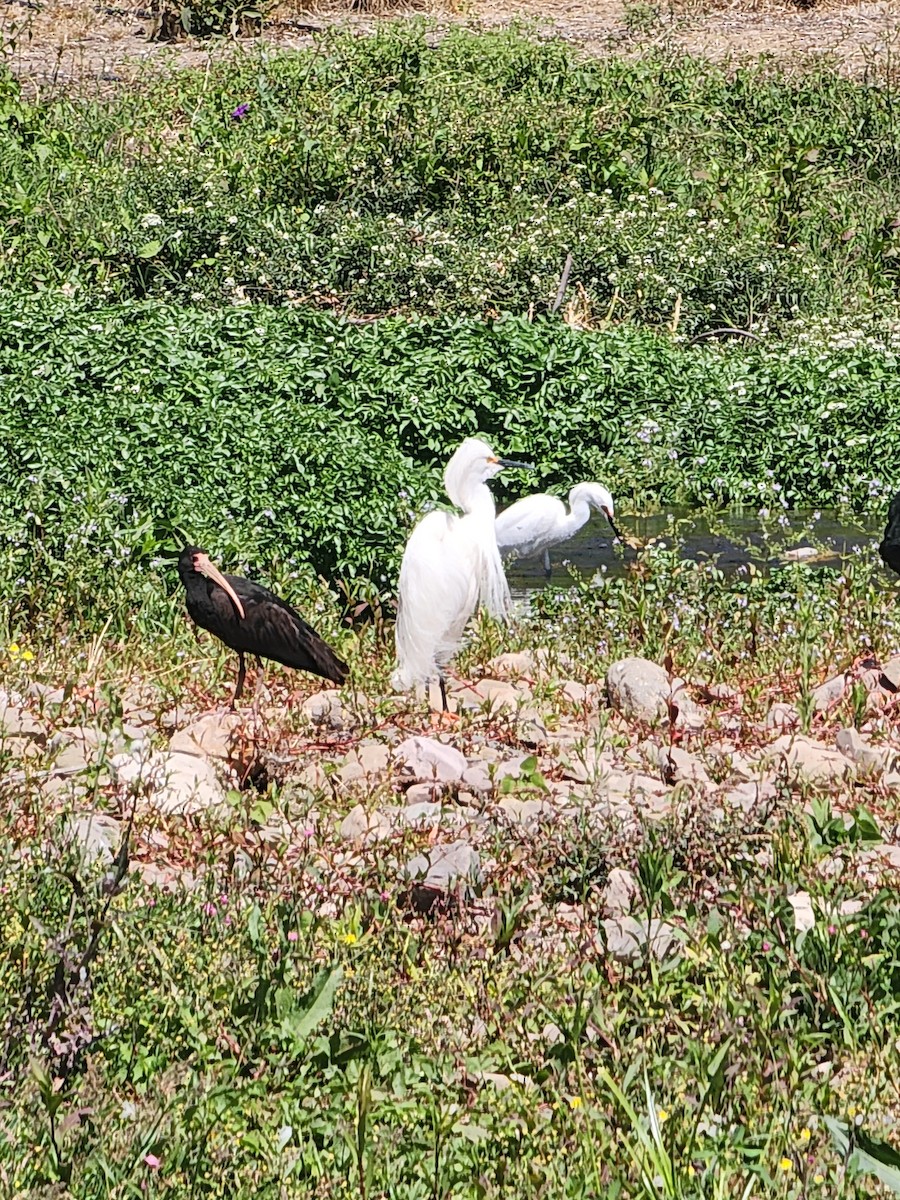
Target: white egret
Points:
(450, 564)
(535, 523)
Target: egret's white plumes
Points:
(534, 524)
(450, 565)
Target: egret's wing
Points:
(437, 593)
(530, 524)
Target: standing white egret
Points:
(450, 564)
(534, 524)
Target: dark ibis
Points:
(250, 619)
(890, 545)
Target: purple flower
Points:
(292, 936)
(152, 1161)
(240, 112)
(209, 909)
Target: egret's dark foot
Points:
(548, 570)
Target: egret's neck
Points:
(478, 502)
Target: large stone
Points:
(366, 827)
(628, 939)
(871, 760)
(496, 693)
(17, 722)
(477, 778)
(829, 693)
(517, 665)
(620, 893)
(783, 716)
(890, 675)
(811, 761)
(96, 834)
(215, 735)
(527, 813)
(641, 691)
(325, 708)
(173, 783)
(427, 760)
(453, 869)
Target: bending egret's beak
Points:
(211, 571)
(612, 524)
(511, 462)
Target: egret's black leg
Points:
(548, 570)
(443, 686)
(260, 680)
(242, 674)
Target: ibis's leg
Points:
(548, 571)
(443, 686)
(242, 674)
(260, 680)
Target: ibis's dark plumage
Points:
(250, 619)
(890, 545)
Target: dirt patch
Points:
(78, 43)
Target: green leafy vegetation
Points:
(291, 440)
(389, 174)
(286, 1023)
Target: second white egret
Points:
(450, 565)
(536, 523)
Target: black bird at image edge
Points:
(890, 545)
(250, 619)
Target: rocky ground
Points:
(531, 763)
(77, 42)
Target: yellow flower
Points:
(575, 1102)
(805, 1135)
(349, 939)
(662, 1116)
(786, 1165)
(14, 648)
(818, 1178)
(27, 656)
(851, 1111)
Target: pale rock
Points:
(748, 794)
(870, 759)
(884, 854)
(783, 716)
(421, 793)
(374, 757)
(804, 916)
(810, 760)
(628, 939)
(575, 692)
(890, 675)
(620, 893)
(477, 778)
(640, 690)
(452, 868)
(587, 765)
(677, 765)
(70, 760)
(366, 827)
(530, 728)
(723, 692)
(829, 693)
(173, 783)
(513, 665)
(325, 708)
(498, 694)
(17, 722)
(96, 834)
(427, 759)
(421, 814)
(511, 768)
(312, 775)
(527, 813)
(214, 735)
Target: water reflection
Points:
(729, 538)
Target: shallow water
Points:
(730, 539)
